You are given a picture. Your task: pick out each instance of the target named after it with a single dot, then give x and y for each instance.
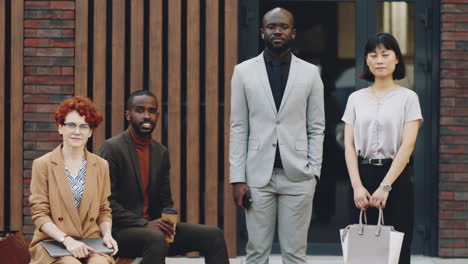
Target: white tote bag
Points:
(371, 244)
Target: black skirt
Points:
(399, 210)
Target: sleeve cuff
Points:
(103, 219)
(237, 179)
(40, 221)
(142, 222)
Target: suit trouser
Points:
(288, 203)
(399, 210)
(150, 243)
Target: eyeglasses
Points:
(73, 126)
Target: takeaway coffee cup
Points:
(171, 214)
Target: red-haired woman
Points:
(69, 190)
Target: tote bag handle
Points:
(380, 221)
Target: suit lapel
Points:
(133, 156)
(263, 79)
(64, 187)
(90, 185)
(291, 78)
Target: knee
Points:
(216, 235)
(69, 260)
(154, 238)
(100, 259)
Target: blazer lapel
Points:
(90, 185)
(263, 79)
(64, 187)
(133, 156)
(291, 78)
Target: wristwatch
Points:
(63, 239)
(386, 187)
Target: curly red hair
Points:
(83, 105)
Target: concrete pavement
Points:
(276, 259)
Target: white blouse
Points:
(378, 122)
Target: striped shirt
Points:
(77, 183)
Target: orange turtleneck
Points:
(142, 144)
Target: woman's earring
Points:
(263, 36)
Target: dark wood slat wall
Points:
(81, 47)
(211, 111)
(155, 58)
(99, 68)
(16, 117)
(207, 69)
(174, 94)
(230, 60)
(118, 67)
(193, 111)
(136, 45)
(2, 112)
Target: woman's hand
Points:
(379, 198)
(361, 197)
(111, 243)
(77, 248)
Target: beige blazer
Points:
(52, 200)
(257, 127)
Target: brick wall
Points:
(453, 205)
(48, 79)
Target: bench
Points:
(121, 260)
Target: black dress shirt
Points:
(278, 72)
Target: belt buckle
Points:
(380, 163)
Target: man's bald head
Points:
(276, 12)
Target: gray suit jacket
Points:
(256, 125)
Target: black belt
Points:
(375, 162)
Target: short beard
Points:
(277, 50)
(137, 130)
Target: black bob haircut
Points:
(389, 42)
(138, 93)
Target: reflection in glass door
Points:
(397, 18)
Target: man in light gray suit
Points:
(277, 129)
